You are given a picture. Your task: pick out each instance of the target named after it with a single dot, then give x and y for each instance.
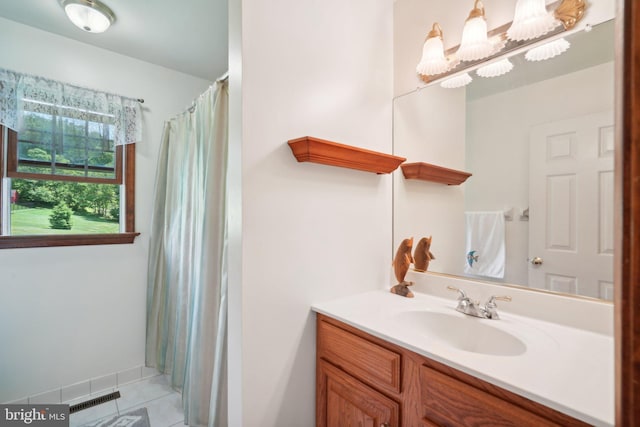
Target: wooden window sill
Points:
(45, 241)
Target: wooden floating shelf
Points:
(429, 172)
(315, 150)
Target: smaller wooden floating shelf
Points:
(429, 172)
(315, 150)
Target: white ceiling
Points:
(185, 35)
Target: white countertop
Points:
(568, 369)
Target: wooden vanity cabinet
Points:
(348, 402)
(362, 380)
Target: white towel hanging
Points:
(485, 248)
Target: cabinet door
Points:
(343, 401)
(450, 402)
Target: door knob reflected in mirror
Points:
(536, 261)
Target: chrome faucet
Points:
(473, 308)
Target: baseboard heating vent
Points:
(94, 402)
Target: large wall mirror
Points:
(539, 144)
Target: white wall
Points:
(69, 314)
(498, 145)
(310, 232)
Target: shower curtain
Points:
(187, 280)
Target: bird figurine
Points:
(401, 263)
(471, 258)
(422, 255)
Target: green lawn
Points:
(30, 221)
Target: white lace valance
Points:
(23, 92)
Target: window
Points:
(65, 182)
(67, 163)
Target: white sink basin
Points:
(463, 332)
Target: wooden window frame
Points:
(12, 166)
(39, 241)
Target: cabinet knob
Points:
(385, 425)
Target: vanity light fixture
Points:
(89, 15)
(495, 69)
(457, 81)
(547, 50)
(475, 44)
(433, 61)
(531, 20)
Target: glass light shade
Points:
(547, 50)
(433, 60)
(457, 81)
(531, 20)
(475, 44)
(89, 16)
(496, 69)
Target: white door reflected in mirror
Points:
(571, 205)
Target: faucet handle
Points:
(461, 294)
(490, 307)
(493, 299)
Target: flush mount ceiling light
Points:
(433, 61)
(475, 44)
(89, 15)
(457, 81)
(496, 69)
(531, 20)
(547, 50)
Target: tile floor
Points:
(163, 404)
